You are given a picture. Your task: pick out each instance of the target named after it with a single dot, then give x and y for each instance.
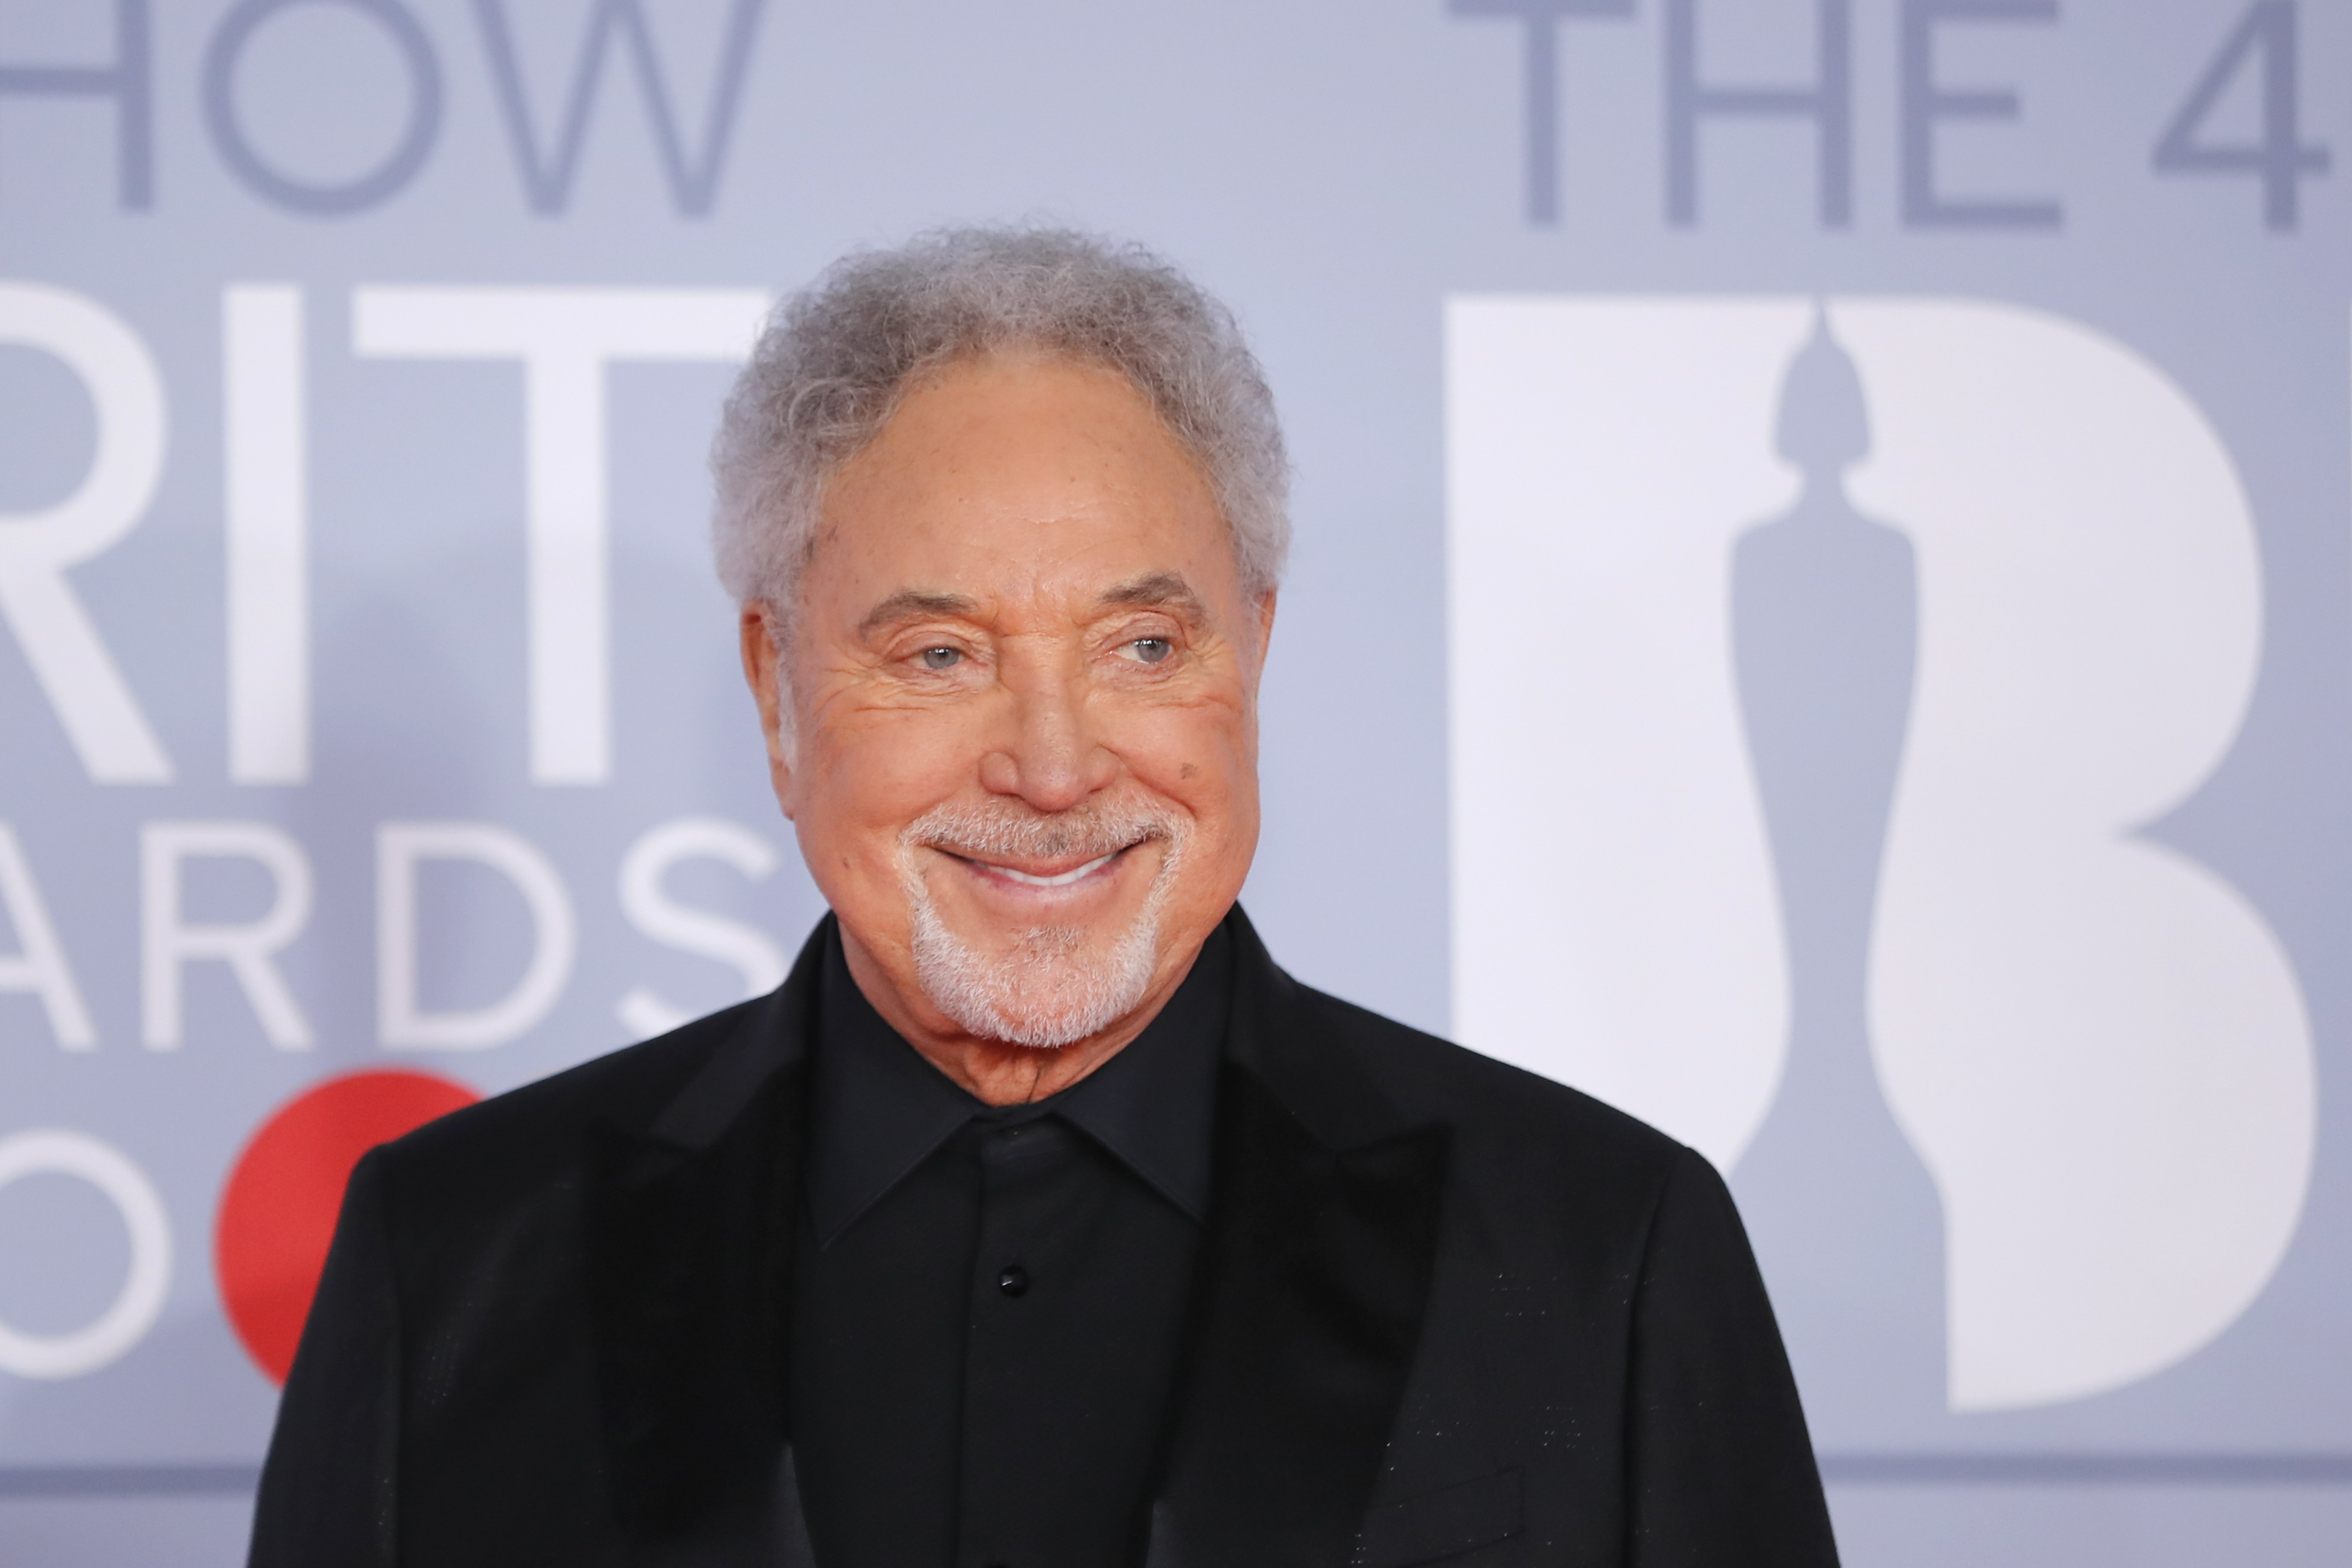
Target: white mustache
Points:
(1095, 832)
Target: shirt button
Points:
(1015, 1280)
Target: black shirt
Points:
(989, 1304)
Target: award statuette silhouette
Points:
(1845, 1219)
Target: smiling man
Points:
(1038, 1219)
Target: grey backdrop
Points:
(1336, 172)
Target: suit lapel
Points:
(1315, 1279)
(689, 1248)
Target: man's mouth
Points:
(1035, 880)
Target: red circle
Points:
(277, 1211)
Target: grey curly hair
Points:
(837, 359)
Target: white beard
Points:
(1056, 986)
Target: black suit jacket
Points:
(1447, 1310)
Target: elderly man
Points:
(1038, 1219)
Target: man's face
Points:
(1023, 760)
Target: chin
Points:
(1044, 986)
(1051, 981)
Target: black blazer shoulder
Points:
(474, 1167)
(1430, 1079)
(1550, 1155)
(503, 1145)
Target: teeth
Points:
(1064, 880)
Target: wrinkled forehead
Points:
(1022, 479)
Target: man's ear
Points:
(761, 670)
(1264, 607)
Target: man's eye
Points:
(1151, 650)
(941, 657)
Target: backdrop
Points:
(1820, 616)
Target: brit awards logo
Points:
(1818, 673)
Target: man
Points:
(1038, 1219)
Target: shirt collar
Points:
(879, 1109)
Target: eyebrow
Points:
(912, 604)
(1163, 588)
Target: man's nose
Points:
(1051, 756)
